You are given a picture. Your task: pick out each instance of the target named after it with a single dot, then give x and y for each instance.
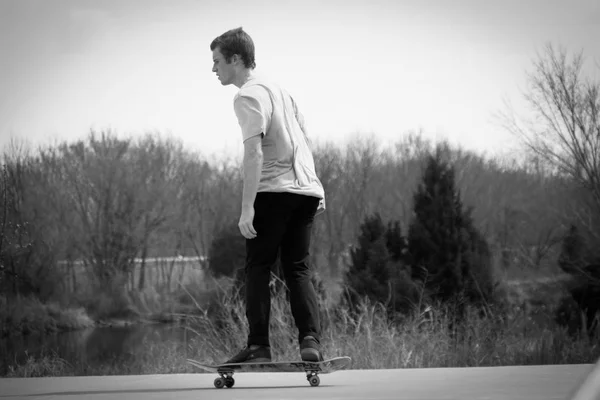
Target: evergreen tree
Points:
(446, 252)
(394, 241)
(368, 258)
(377, 271)
(372, 278)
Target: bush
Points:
(579, 310)
(25, 315)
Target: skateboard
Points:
(312, 369)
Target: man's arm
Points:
(253, 160)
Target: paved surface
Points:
(524, 382)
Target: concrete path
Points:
(526, 382)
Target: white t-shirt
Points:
(288, 165)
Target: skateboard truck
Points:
(225, 379)
(313, 378)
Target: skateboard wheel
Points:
(314, 380)
(229, 382)
(219, 383)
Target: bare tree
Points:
(329, 226)
(209, 202)
(121, 195)
(564, 130)
(30, 240)
(155, 164)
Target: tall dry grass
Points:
(218, 328)
(423, 340)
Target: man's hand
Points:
(321, 208)
(245, 224)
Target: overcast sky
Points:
(382, 67)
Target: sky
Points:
(371, 67)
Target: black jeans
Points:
(283, 223)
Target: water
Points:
(95, 347)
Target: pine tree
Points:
(369, 258)
(394, 241)
(446, 251)
(377, 271)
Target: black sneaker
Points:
(310, 350)
(251, 354)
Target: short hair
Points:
(236, 41)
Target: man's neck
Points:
(244, 77)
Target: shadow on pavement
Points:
(80, 393)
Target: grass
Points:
(422, 340)
(46, 365)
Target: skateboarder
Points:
(281, 196)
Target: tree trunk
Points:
(142, 280)
(14, 276)
(73, 278)
(170, 278)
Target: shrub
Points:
(580, 308)
(25, 315)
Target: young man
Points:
(281, 197)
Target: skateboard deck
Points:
(312, 369)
